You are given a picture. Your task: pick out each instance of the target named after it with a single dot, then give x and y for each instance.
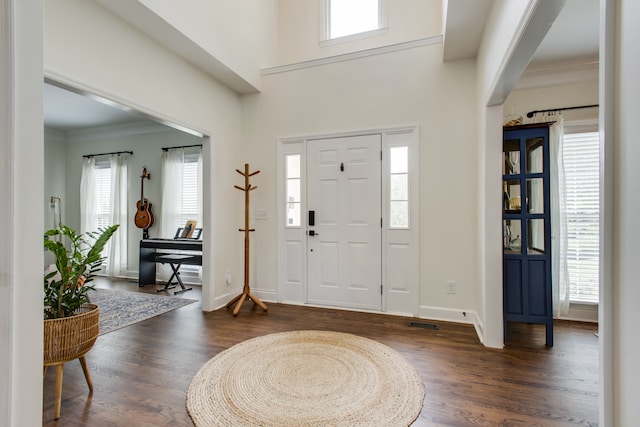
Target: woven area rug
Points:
(120, 308)
(306, 378)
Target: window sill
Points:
(353, 37)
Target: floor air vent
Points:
(422, 325)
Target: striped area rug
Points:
(119, 309)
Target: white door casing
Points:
(344, 251)
(399, 260)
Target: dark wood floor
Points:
(141, 373)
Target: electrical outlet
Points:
(451, 287)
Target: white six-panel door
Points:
(344, 246)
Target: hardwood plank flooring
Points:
(141, 372)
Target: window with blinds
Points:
(190, 202)
(190, 189)
(103, 193)
(581, 166)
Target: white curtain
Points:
(559, 272)
(116, 264)
(88, 196)
(172, 176)
(171, 213)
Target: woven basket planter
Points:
(69, 338)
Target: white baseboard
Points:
(188, 278)
(428, 313)
(222, 300)
(582, 313)
(469, 317)
(448, 314)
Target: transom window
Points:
(345, 18)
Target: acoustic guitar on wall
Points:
(144, 216)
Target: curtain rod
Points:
(557, 110)
(88, 156)
(181, 146)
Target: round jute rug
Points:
(306, 378)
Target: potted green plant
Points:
(66, 288)
(71, 322)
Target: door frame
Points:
(400, 246)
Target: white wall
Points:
(541, 98)
(116, 61)
(21, 178)
(300, 28)
(506, 19)
(241, 34)
(409, 87)
(54, 174)
(54, 182)
(147, 151)
(626, 204)
(499, 39)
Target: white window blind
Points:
(190, 203)
(103, 193)
(190, 189)
(581, 166)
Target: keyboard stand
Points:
(175, 261)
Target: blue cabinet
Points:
(526, 227)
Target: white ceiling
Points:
(67, 111)
(573, 38)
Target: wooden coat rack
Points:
(246, 291)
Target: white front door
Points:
(345, 243)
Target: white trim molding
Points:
(353, 55)
(76, 86)
(114, 131)
(558, 74)
(265, 296)
(8, 278)
(469, 317)
(582, 313)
